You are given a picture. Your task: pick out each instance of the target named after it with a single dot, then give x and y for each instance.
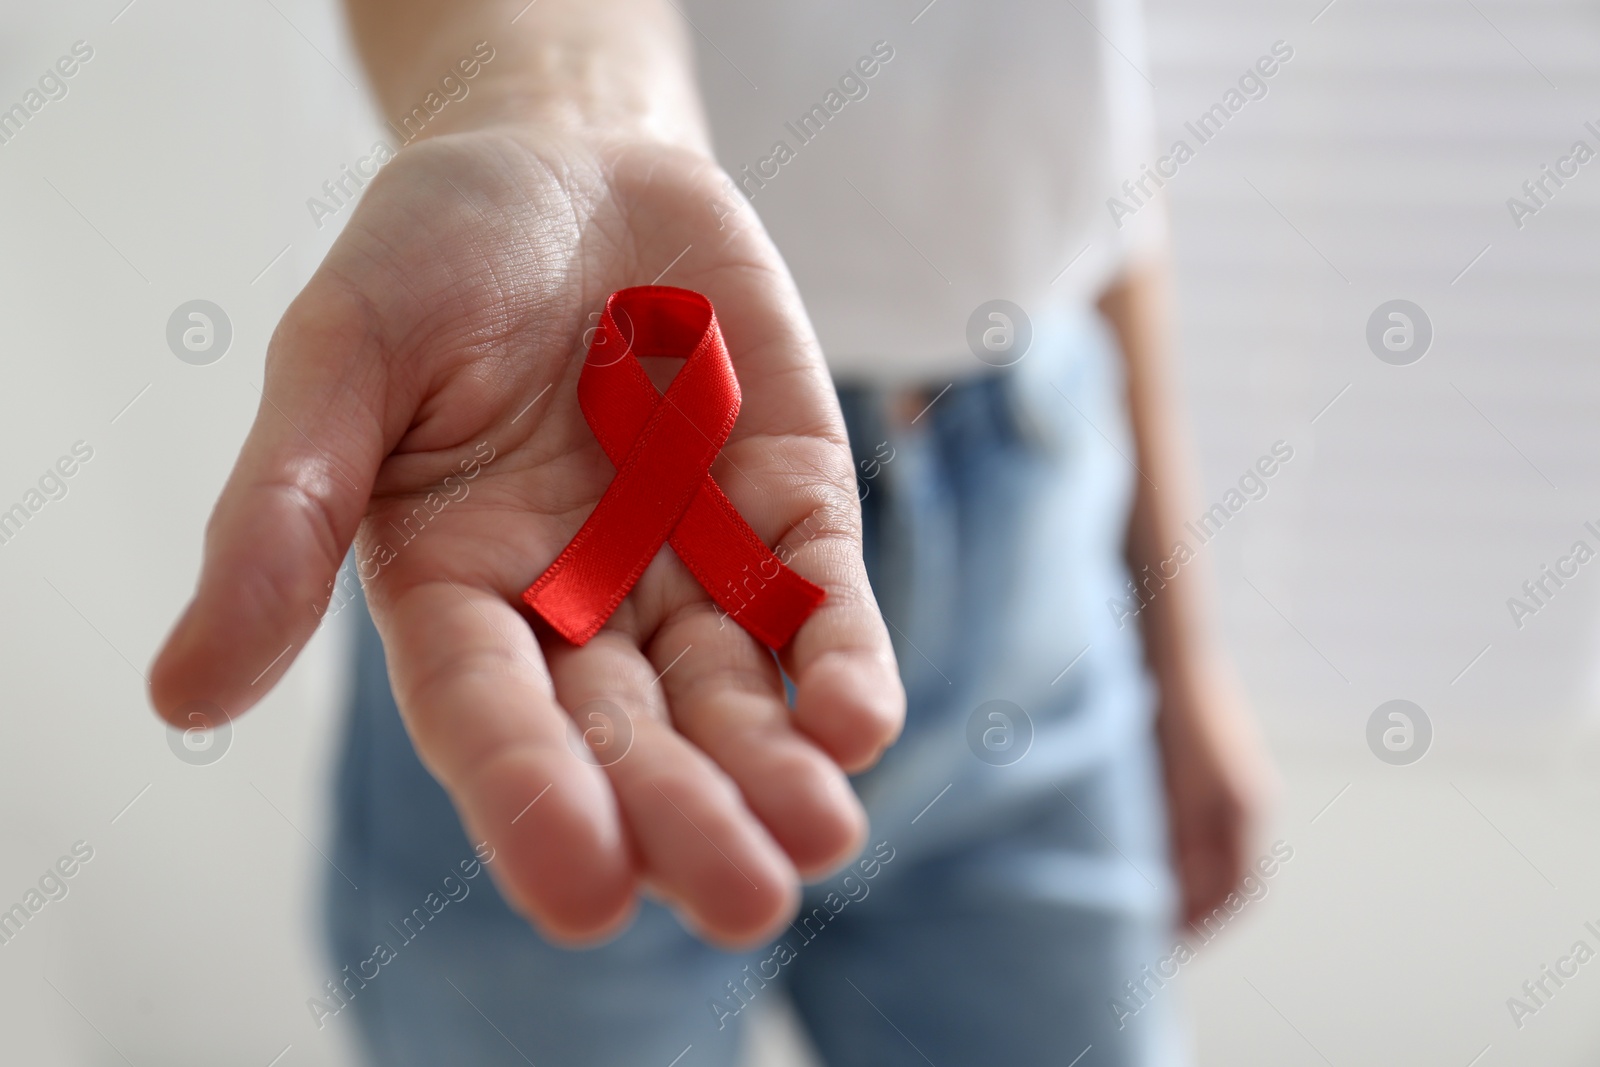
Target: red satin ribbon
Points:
(662, 446)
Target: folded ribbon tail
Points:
(663, 447)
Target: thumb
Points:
(287, 514)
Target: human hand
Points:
(446, 325)
(1219, 780)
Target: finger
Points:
(1211, 867)
(478, 702)
(788, 471)
(727, 697)
(286, 516)
(848, 695)
(698, 844)
(1206, 882)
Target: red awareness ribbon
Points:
(662, 446)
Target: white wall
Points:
(188, 143)
(1381, 559)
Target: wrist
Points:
(600, 70)
(528, 108)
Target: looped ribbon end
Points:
(663, 446)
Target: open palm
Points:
(420, 398)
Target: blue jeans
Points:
(1016, 876)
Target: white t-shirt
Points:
(966, 153)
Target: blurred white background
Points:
(1419, 898)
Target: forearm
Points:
(1216, 772)
(613, 68)
(1174, 619)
